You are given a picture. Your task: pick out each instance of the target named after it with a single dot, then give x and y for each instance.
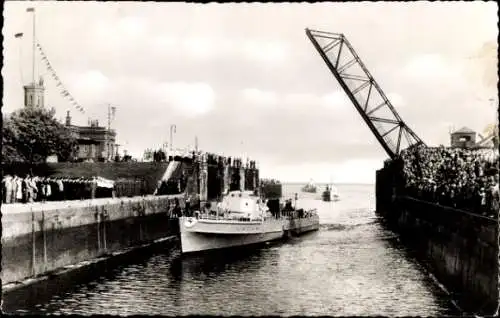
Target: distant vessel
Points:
(242, 218)
(310, 187)
(330, 194)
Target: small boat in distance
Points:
(310, 187)
(330, 194)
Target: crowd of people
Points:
(214, 159)
(461, 178)
(16, 189)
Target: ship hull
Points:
(205, 235)
(302, 225)
(197, 242)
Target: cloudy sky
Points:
(245, 79)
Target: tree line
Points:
(33, 134)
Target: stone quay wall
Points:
(40, 238)
(459, 248)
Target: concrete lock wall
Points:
(42, 237)
(460, 249)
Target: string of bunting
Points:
(64, 92)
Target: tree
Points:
(148, 154)
(33, 134)
(159, 156)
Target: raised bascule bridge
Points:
(459, 248)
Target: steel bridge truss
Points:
(364, 92)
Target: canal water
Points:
(352, 266)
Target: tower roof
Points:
(464, 130)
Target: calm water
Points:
(352, 266)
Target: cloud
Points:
(266, 51)
(163, 42)
(132, 26)
(336, 100)
(189, 99)
(89, 88)
(482, 69)
(199, 47)
(396, 100)
(259, 97)
(92, 81)
(301, 99)
(430, 67)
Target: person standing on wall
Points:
(18, 189)
(8, 185)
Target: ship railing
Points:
(306, 214)
(216, 217)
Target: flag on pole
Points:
(113, 111)
(18, 35)
(30, 10)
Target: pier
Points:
(458, 247)
(40, 238)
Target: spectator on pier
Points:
(460, 178)
(8, 188)
(18, 189)
(60, 189)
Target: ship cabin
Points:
(243, 205)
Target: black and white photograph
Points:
(250, 159)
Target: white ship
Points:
(242, 218)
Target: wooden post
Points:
(44, 241)
(104, 229)
(33, 247)
(98, 216)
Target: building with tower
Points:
(34, 94)
(95, 143)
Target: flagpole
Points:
(34, 44)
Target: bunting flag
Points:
(64, 92)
